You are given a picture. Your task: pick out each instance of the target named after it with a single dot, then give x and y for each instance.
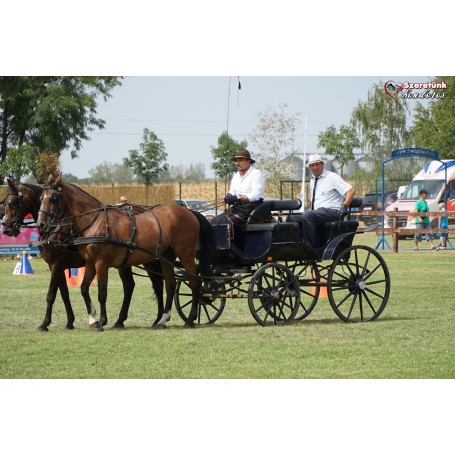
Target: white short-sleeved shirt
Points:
(251, 184)
(330, 190)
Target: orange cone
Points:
(80, 276)
(70, 281)
(322, 289)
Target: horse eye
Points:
(14, 203)
(54, 198)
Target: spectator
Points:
(443, 224)
(423, 222)
(123, 201)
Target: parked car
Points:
(200, 205)
(373, 202)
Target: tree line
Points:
(40, 117)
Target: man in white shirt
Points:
(330, 199)
(245, 193)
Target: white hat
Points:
(315, 158)
(442, 206)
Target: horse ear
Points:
(58, 179)
(11, 184)
(50, 178)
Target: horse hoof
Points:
(96, 327)
(158, 327)
(69, 327)
(118, 325)
(189, 325)
(42, 328)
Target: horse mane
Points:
(37, 189)
(82, 191)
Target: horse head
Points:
(52, 208)
(20, 200)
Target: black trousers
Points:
(237, 214)
(311, 219)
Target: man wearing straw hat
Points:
(245, 193)
(330, 199)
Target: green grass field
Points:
(413, 338)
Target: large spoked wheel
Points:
(210, 304)
(308, 276)
(273, 295)
(358, 284)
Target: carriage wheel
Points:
(307, 275)
(358, 284)
(209, 308)
(273, 295)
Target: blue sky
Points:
(189, 113)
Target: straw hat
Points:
(315, 158)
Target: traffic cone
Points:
(70, 281)
(80, 272)
(26, 268)
(322, 289)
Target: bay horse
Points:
(23, 199)
(108, 237)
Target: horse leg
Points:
(63, 286)
(89, 275)
(126, 275)
(169, 278)
(50, 299)
(156, 277)
(195, 284)
(102, 278)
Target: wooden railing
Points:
(395, 230)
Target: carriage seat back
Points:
(263, 212)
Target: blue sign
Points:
(421, 153)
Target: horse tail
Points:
(207, 245)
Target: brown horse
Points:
(108, 237)
(24, 198)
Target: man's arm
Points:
(348, 196)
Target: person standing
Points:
(330, 199)
(443, 224)
(245, 193)
(422, 222)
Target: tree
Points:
(46, 164)
(434, 127)
(222, 155)
(50, 113)
(109, 173)
(274, 140)
(195, 172)
(149, 162)
(339, 144)
(380, 123)
(19, 162)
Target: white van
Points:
(432, 179)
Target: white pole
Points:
(302, 193)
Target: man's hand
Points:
(230, 199)
(344, 211)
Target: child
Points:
(442, 225)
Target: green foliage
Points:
(381, 127)
(148, 163)
(434, 127)
(274, 140)
(19, 162)
(107, 172)
(222, 155)
(51, 113)
(339, 144)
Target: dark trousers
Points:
(311, 219)
(237, 214)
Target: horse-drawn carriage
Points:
(282, 277)
(266, 262)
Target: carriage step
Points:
(277, 227)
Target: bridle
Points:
(17, 204)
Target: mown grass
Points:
(413, 338)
